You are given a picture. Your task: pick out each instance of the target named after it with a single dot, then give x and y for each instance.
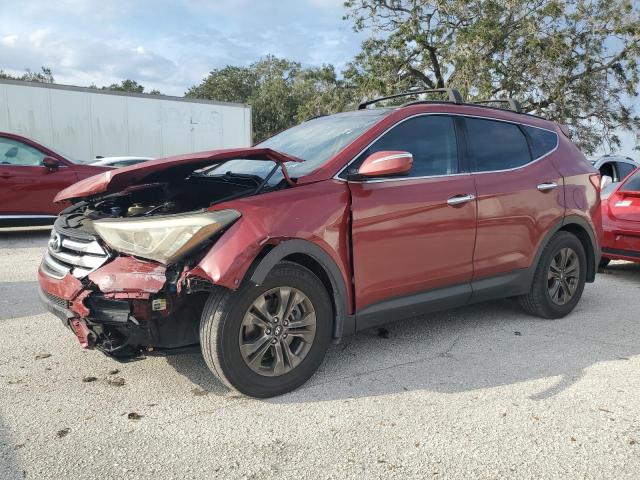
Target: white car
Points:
(117, 162)
(615, 166)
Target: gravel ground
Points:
(478, 392)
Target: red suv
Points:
(265, 255)
(30, 176)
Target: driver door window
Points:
(13, 152)
(431, 139)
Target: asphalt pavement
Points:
(484, 391)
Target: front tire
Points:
(559, 278)
(269, 339)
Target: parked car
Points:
(265, 255)
(117, 162)
(615, 166)
(30, 176)
(621, 220)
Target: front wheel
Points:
(559, 278)
(269, 339)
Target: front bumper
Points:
(125, 307)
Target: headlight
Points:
(164, 239)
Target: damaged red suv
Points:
(265, 255)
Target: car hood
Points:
(112, 181)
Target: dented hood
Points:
(116, 180)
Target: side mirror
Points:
(605, 181)
(386, 163)
(51, 163)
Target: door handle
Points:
(545, 187)
(460, 199)
(5, 175)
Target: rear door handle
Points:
(460, 199)
(545, 187)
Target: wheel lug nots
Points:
(274, 341)
(268, 331)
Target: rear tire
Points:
(559, 278)
(290, 350)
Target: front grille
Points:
(77, 256)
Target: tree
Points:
(573, 61)
(43, 76)
(281, 92)
(126, 86)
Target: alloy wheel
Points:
(563, 276)
(277, 331)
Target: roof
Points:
(73, 88)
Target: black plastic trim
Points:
(413, 305)
(344, 324)
(620, 251)
(62, 313)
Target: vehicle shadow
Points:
(9, 466)
(24, 237)
(476, 347)
(19, 299)
(193, 367)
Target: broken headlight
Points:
(164, 239)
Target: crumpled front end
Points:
(119, 304)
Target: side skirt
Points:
(416, 305)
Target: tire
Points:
(226, 322)
(539, 300)
(604, 262)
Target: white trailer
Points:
(84, 123)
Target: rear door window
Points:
(542, 141)
(495, 145)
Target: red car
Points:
(265, 255)
(621, 221)
(30, 176)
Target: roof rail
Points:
(454, 96)
(513, 104)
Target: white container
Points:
(83, 123)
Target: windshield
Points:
(319, 139)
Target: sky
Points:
(171, 45)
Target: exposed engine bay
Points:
(200, 189)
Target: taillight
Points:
(594, 178)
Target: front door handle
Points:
(546, 186)
(460, 199)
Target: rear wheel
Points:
(559, 278)
(269, 339)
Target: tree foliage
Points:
(130, 86)
(281, 92)
(573, 61)
(43, 76)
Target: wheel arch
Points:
(314, 258)
(579, 227)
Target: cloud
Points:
(9, 40)
(169, 45)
